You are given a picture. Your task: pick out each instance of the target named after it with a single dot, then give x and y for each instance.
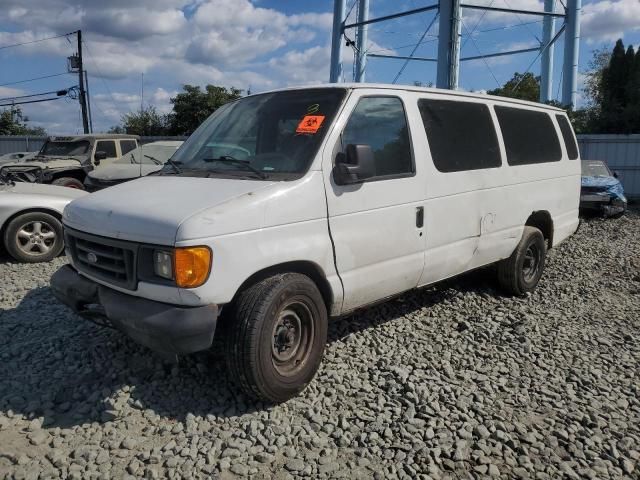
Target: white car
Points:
(30, 219)
(289, 207)
(142, 161)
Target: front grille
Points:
(109, 260)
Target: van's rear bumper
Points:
(165, 328)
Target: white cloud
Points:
(607, 20)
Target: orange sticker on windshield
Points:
(310, 124)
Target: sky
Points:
(156, 46)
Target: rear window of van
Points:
(529, 136)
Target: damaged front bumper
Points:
(604, 203)
(164, 328)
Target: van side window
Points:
(107, 146)
(529, 136)
(381, 123)
(461, 135)
(569, 139)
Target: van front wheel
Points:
(521, 272)
(276, 337)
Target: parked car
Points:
(145, 159)
(30, 215)
(12, 157)
(334, 198)
(601, 191)
(65, 161)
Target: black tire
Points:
(263, 323)
(521, 272)
(34, 237)
(68, 182)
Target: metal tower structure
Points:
(448, 58)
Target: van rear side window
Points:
(569, 139)
(461, 135)
(529, 136)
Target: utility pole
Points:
(571, 50)
(361, 40)
(339, 12)
(449, 44)
(86, 83)
(141, 91)
(82, 98)
(546, 58)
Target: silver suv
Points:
(66, 160)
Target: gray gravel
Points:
(454, 381)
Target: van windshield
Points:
(595, 169)
(62, 149)
(272, 135)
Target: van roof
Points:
(411, 88)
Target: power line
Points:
(33, 79)
(30, 101)
(36, 41)
(406, 62)
(484, 60)
(99, 72)
(35, 94)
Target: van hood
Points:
(123, 171)
(151, 209)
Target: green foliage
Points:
(525, 86)
(144, 122)
(616, 97)
(192, 106)
(12, 122)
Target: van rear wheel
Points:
(276, 337)
(521, 272)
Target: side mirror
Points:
(615, 174)
(355, 165)
(99, 155)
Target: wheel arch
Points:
(77, 173)
(304, 267)
(542, 220)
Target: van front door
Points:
(377, 226)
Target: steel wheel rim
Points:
(292, 338)
(36, 238)
(531, 262)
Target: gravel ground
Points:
(454, 381)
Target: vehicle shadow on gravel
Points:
(67, 371)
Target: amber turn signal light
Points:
(192, 266)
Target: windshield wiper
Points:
(242, 163)
(174, 165)
(154, 160)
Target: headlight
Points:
(192, 266)
(188, 267)
(163, 264)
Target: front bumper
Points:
(165, 328)
(605, 203)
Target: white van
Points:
(289, 207)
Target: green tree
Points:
(192, 106)
(144, 122)
(13, 122)
(525, 86)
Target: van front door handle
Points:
(419, 217)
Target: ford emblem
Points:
(92, 258)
